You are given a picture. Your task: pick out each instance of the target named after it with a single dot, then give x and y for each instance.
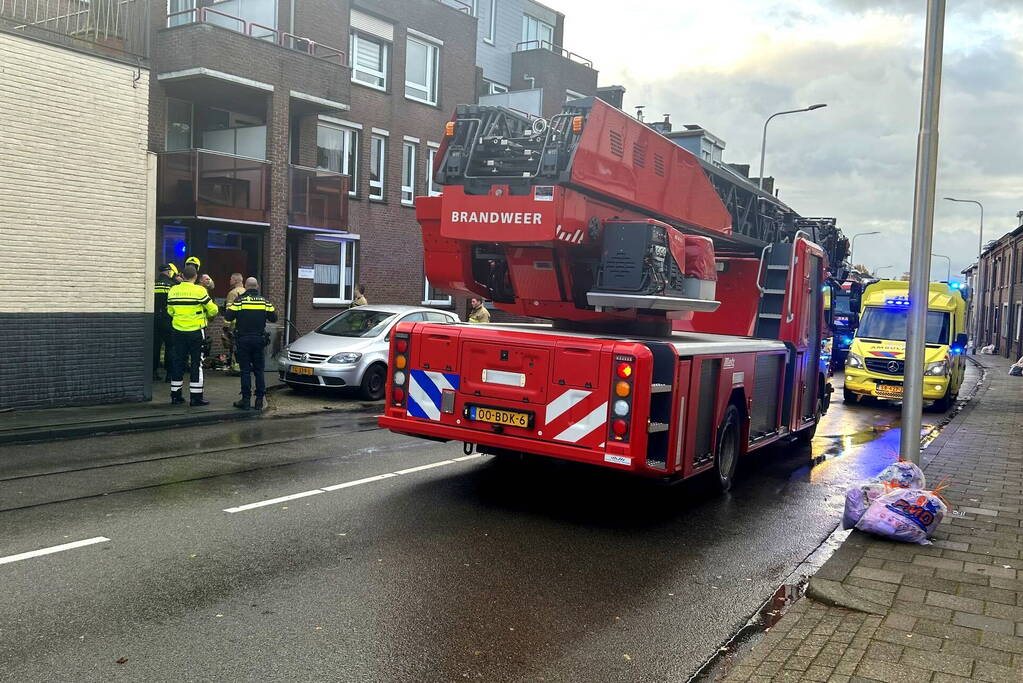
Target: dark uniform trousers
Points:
(188, 345)
(163, 335)
(249, 350)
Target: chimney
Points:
(662, 127)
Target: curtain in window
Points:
(330, 148)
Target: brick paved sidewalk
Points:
(952, 611)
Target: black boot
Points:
(198, 400)
(259, 404)
(243, 404)
(176, 397)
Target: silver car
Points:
(350, 349)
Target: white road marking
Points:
(350, 484)
(53, 549)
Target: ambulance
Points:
(876, 360)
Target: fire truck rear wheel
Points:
(727, 456)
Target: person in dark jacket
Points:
(162, 320)
(250, 312)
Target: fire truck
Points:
(685, 305)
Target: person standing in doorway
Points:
(190, 308)
(228, 335)
(478, 313)
(161, 320)
(360, 296)
(250, 313)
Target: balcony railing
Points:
(318, 199)
(463, 6)
(200, 183)
(209, 15)
(551, 47)
(109, 26)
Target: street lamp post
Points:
(763, 143)
(978, 287)
(948, 277)
(878, 270)
(852, 244)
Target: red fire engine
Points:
(686, 305)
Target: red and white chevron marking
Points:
(577, 416)
(570, 237)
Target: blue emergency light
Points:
(955, 285)
(897, 302)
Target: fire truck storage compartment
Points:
(438, 350)
(505, 371)
(764, 409)
(661, 398)
(577, 363)
(706, 397)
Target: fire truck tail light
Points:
(622, 389)
(449, 129)
(577, 124)
(400, 362)
(624, 370)
(399, 378)
(401, 345)
(621, 408)
(619, 427)
(399, 395)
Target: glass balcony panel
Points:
(318, 199)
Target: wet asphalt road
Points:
(469, 570)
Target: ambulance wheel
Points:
(942, 404)
(848, 396)
(727, 456)
(374, 381)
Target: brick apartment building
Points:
(77, 198)
(999, 299)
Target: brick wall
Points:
(76, 218)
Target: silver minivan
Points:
(350, 349)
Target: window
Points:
(573, 95)
(495, 88)
(333, 270)
(408, 172)
(231, 252)
(885, 323)
(337, 149)
(421, 71)
(174, 248)
(433, 296)
(182, 6)
(179, 125)
(377, 166)
(432, 188)
(357, 322)
(232, 132)
(492, 23)
(262, 13)
(369, 61)
(538, 32)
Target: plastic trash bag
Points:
(858, 498)
(907, 515)
(902, 474)
(1016, 369)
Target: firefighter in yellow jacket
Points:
(190, 308)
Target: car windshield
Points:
(889, 323)
(357, 322)
(842, 300)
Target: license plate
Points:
(889, 390)
(509, 418)
(301, 370)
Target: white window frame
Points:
(408, 164)
(343, 287)
(573, 95)
(377, 188)
(494, 88)
(181, 19)
(491, 24)
(351, 142)
(432, 72)
(432, 188)
(529, 21)
(353, 43)
(427, 301)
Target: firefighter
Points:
(227, 333)
(250, 313)
(360, 296)
(204, 279)
(190, 308)
(161, 320)
(478, 313)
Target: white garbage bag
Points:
(858, 498)
(908, 515)
(902, 474)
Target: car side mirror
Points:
(961, 340)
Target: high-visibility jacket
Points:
(190, 306)
(251, 312)
(160, 290)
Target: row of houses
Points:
(285, 139)
(998, 295)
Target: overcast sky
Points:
(728, 64)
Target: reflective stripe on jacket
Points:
(251, 313)
(190, 306)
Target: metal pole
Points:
(923, 233)
(763, 141)
(948, 275)
(852, 244)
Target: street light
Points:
(978, 309)
(763, 144)
(948, 277)
(878, 270)
(852, 244)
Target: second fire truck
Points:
(685, 305)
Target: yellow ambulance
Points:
(874, 366)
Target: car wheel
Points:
(374, 382)
(726, 458)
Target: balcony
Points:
(115, 28)
(553, 69)
(197, 183)
(318, 199)
(528, 45)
